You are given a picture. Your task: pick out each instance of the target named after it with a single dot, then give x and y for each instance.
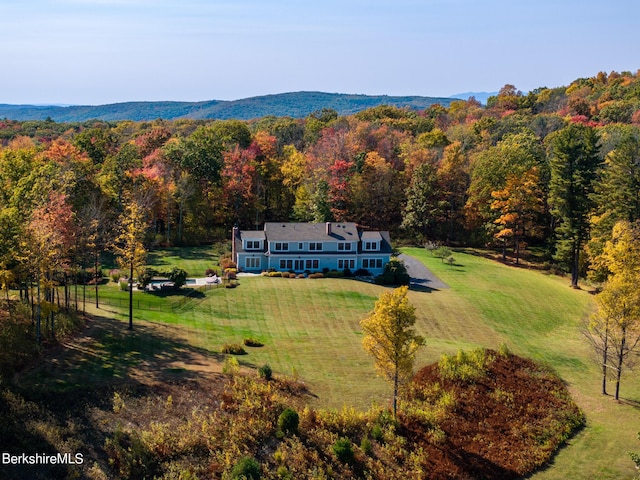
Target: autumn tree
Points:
(519, 204)
(490, 168)
(574, 163)
(129, 246)
(390, 338)
(614, 328)
(377, 193)
(47, 245)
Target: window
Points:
(253, 244)
(371, 263)
(315, 246)
(344, 247)
(286, 264)
(281, 246)
(298, 265)
(252, 262)
(346, 263)
(300, 246)
(311, 264)
(371, 245)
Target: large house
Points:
(311, 247)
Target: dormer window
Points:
(253, 245)
(370, 246)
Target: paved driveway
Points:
(421, 276)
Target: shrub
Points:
(394, 273)
(115, 275)
(247, 468)
(288, 421)
(442, 253)
(275, 274)
(286, 275)
(366, 446)
(362, 272)
(467, 367)
(230, 366)
(334, 274)
(124, 285)
(233, 349)
(376, 433)
(146, 276)
(316, 275)
(265, 372)
(211, 271)
(343, 450)
(252, 342)
(178, 276)
(129, 456)
(226, 262)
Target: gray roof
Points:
(371, 236)
(252, 234)
(340, 231)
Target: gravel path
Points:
(421, 276)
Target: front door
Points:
(298, 265)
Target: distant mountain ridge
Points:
(479, 96)
(294, 104)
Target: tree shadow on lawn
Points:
(181, 292)
(631, 402)
(108, 352)
(83, 373)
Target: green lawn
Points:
(194, 260)
(311, 329)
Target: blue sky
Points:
(105, 51)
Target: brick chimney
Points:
(234, 234)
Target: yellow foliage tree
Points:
(390, 338)
(128, 245)
(614, 328)
(519, 204)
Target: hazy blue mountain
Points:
(296, 104)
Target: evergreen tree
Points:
(574, 163)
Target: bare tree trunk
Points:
(96, 279)
(131, 296)
(620, 360)
(395, 394)
(605, 354)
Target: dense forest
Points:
(554, 169)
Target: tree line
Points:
(555, 168)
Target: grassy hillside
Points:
(295, 104)
(310, 329)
